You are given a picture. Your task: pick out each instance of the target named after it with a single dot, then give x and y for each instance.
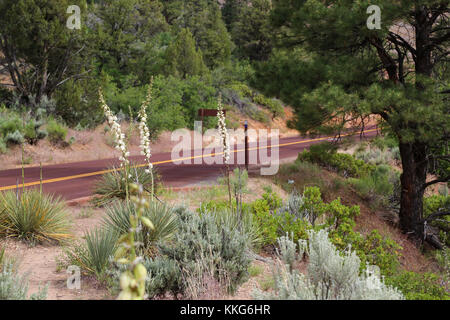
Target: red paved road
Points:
(172, 175)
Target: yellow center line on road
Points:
(96, 173)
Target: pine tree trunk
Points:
(412, 180)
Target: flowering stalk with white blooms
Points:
(145, 133)
(119, 137)
(225, 139)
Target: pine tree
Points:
(38, 51)
(231, 11)
(121, 28)
(204, 20)
(252, 30)
(182, 57)
(339, 69)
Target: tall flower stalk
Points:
(144, 133)
(132, 281)
(119, 138)
(225, 139)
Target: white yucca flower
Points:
(143, 128)
(223, 132)
(144, 133)
(119, 137)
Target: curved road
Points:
(76, 180)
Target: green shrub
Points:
(377, 186)
(331, 274)
(384, 142)
(381, 251)
(273, 199)
(417, 286)
(163, 217)
(273, 224)
(112, 185)
(256, 114)
(302, 214)
(434, 204)
(76, 102)
(201, 243)
(296, 228)
(3, 147)
(35, 217)
(325, 155)
(275, 106)
(164, 275)
(15, 287)
(268, 222)
(32, 133)
(56, 132)
(244, 220)
(94, 254)
(9, 123)
(14, 138)
(372, 249)
(242, 89)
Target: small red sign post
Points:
(209, 113)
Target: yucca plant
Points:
(34, 216)
(244, 222)
(94, 254)
(113, 185)
(163, 217)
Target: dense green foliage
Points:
(307, 212)
(417, 286)
(56, 132)
(326, 155)
(16, 128)
(185, 46)
(436, 204)
(334, 70)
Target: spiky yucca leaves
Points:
(113, 185)
(243, 222)
(163, 217)
(34, 216)
(94, 254)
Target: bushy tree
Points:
(38, 51)
(204, 20)
(398, 73)
(251, 31)
(121, 28)
(183, 59)
(231, 10)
